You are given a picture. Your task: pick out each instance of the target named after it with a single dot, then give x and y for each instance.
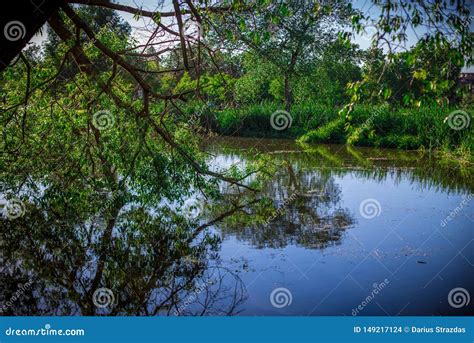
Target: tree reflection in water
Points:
(153, 260)
(156, 261)
(314, 219)
(150, 261)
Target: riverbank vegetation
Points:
(425, 127)
(343, 94)
(103, 175)
(298, 64)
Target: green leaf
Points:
(157, 17)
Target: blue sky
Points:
(165, 5)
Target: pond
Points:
(372, 232)
(349, 231)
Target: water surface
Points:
(330, 257)
(345, 231)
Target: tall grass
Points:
(367, 125)
(254, 120)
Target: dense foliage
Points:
(102, 131)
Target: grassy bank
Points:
(379, 126)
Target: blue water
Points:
(405, 246)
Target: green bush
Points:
(255, 120)
(367, 125)
(332, 132)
